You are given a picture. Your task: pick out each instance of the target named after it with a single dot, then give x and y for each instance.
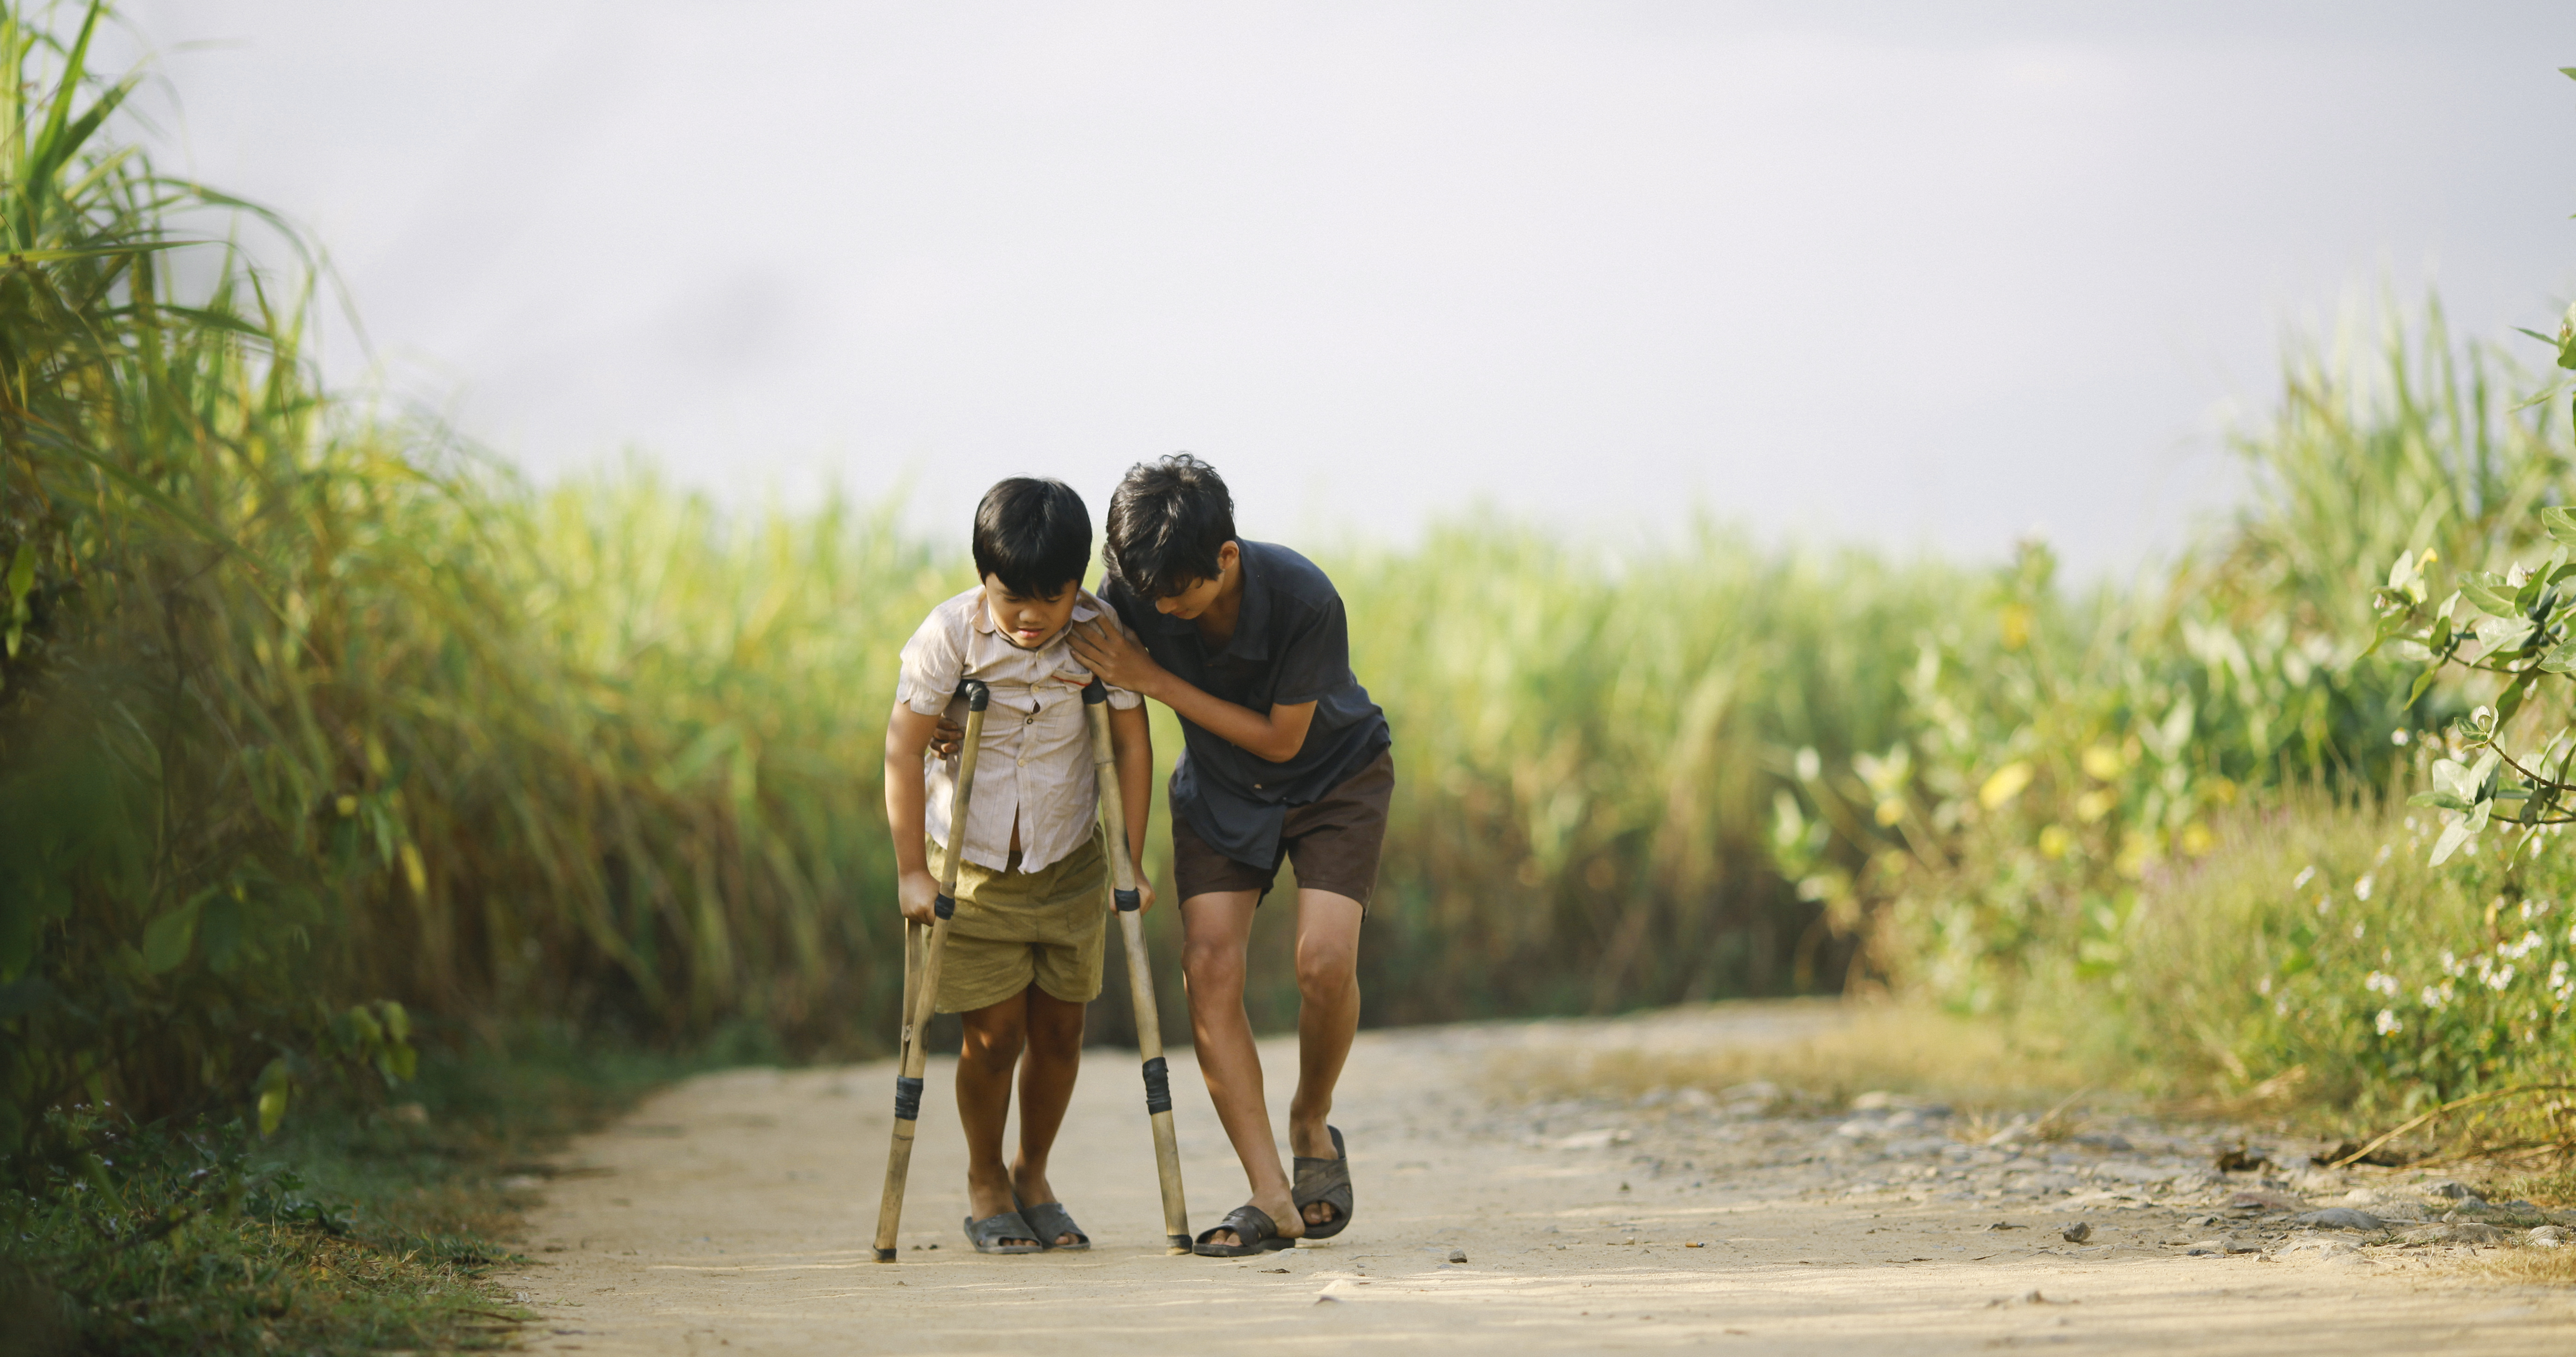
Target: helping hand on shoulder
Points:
(1107, 653)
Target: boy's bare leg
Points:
(1216, 928)
(994, 1037)
(1328, 1016)
(1046, 1088)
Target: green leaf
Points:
(2559, 523)
(2511, 702)
(22, 577)
(273, 1085)
(169, 939)
(2485, 597)
(2423, 681)
(2445, 800)
(2505, 634)
(2453, 835)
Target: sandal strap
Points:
(1001, 1225)
(1250, 1224)
(1050, 1219)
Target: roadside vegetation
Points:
(333, 756)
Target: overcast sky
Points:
(1914, 273)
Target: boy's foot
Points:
(1311, 1149)
(1323, 1190)
(1250, 1224)
(1286, 1223)
(988, 1198)
(1031, 1186)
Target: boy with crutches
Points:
(1021, 947)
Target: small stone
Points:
(2546, 1237)
(2077, 1233)
(2454, 1189)
(1455, 1256)
(2339, 1218)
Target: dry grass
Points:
(1822, 1054)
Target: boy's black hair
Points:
(1166, 521)
(1033, 535)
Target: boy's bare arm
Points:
(1131, 740)
(1276, 736)
(908, 733)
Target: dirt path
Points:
(734, 1212)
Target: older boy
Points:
(1024, 946)
(1285, 758)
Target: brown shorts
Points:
(1334, 842)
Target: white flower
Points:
(2533, 909)
(2380, 982)
(2451, 964)
(2502, 977)
(2531, 942)
(2388, 1024)
(2558, 984)
(2306, 875)
(2397, 737)
(2361, 888)
(2437, 997)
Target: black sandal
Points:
(1050, 1220)
(987, 1234)
(1252, 1226)
(1327, 1181)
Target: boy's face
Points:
(1196, 599)
(1028, 622)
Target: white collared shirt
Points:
(1034, 767)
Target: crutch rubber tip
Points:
(885, 1255)
(1176, 1243)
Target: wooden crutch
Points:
(921, 977)
(1140, 971)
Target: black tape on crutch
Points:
(907, 1099)
(944, 907)
(1129, 901)
(1158, 1086)
(1094, 693)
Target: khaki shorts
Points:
(1015, 929)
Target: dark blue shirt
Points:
(1291, 644)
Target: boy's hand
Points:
(1145, 896)
(1104, 651)
(917, 894)
(947, 739)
